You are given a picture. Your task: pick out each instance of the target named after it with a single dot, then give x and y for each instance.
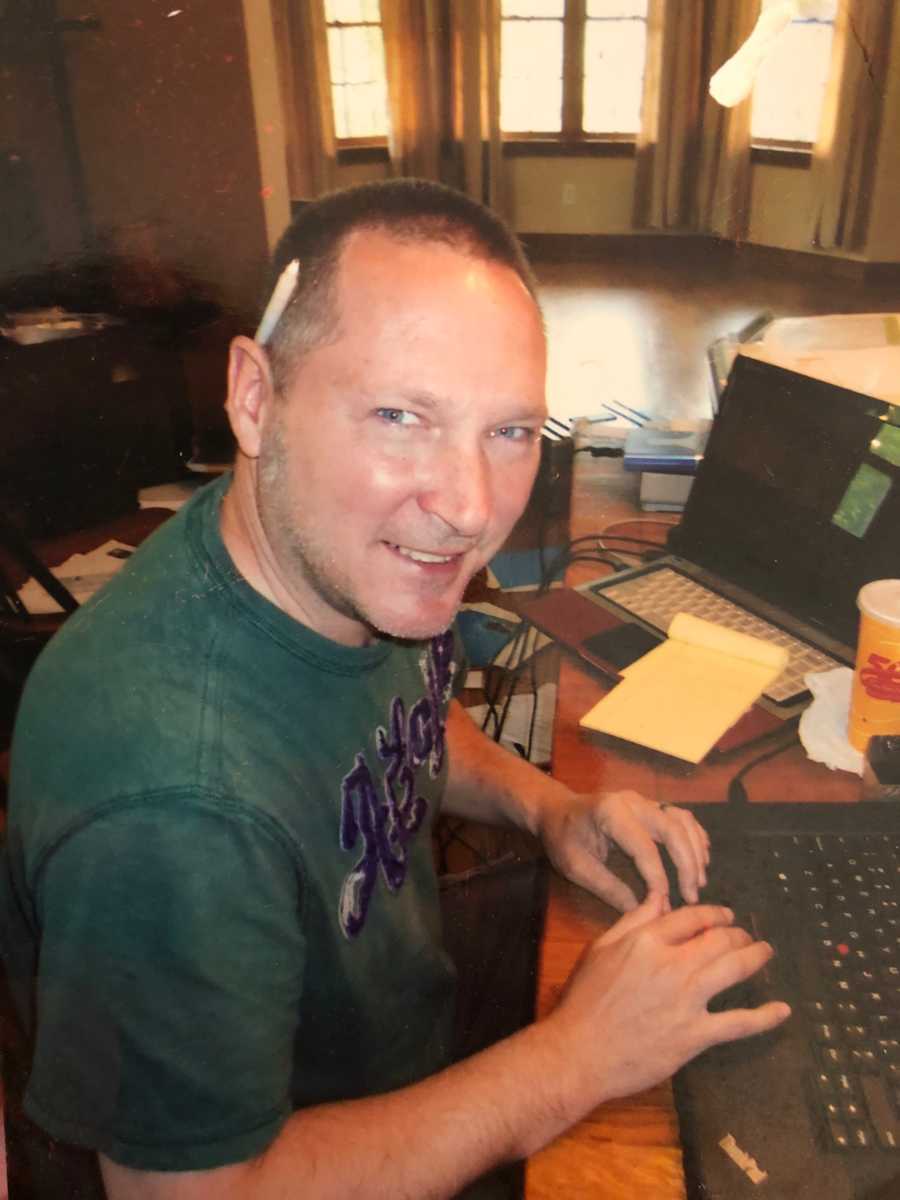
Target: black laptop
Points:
(794, 507)
(812, 1110)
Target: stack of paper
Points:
(82, 574)
(686, 693)
(167, 495)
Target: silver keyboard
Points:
(657, 596)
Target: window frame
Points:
(571, 138)
(788, 152)
(372, 148)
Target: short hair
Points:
(410, 210)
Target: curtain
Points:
(306, 95)
(443, 67)
(476, 159)
(666, 149)
(721, 202)
(846, 147)
(442, 59)
(413, 52)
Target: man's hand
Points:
(576, 836)
(635, 1008)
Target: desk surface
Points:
(630, 1148)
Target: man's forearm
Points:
(427, 1140)
(488, 783)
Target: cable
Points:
(633, 541)
(737, 793)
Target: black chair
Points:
(22, 634)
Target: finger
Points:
(590, 873)
(714, 944)
(734, 1023)
(636, 838)
(682, 924)
(733, 966)
(654, 906)
(697, 836)
(678, 831)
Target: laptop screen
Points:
(798, 495)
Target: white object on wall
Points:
(734, 80)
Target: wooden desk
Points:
(630, 1148)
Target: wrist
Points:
(546, 805)
(564, 1063)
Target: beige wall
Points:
(570, 195)
(594, 196)
(781, 207)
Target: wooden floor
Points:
(634, 325)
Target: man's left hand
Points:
(577, 837)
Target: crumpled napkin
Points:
(823, 726)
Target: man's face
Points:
(405, 450)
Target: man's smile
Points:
(425, 557)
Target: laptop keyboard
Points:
(845, 890)
(658, 595)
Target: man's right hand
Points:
(635, 1008)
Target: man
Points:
(227, 767)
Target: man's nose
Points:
(458, 491)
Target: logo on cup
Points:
(881, 678)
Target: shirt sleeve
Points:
(169, 984)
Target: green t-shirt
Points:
(219, 864)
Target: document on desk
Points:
(687, 692)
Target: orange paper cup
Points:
(875, 700)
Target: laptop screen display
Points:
(798, 495)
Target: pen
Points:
(281, 296)
(624, 415)
(637, 412)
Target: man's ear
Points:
(251, 393)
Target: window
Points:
(790, 85)
(572, 68)
(356, 65)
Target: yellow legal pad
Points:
(682, 696)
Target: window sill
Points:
(781, 154)
(361, 153)
(549, 147)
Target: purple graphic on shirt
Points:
(386, 819)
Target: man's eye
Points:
(516, 433)
(397, 416)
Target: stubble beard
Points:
(306, 564)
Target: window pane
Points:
(358, 88)
(336, 56)
(531, 76)
(533, 8)
(348, 12)
(617, 8)
(357, 55)
(790, 84)
(614, 54)
(366, 106)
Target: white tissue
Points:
(823, 726)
